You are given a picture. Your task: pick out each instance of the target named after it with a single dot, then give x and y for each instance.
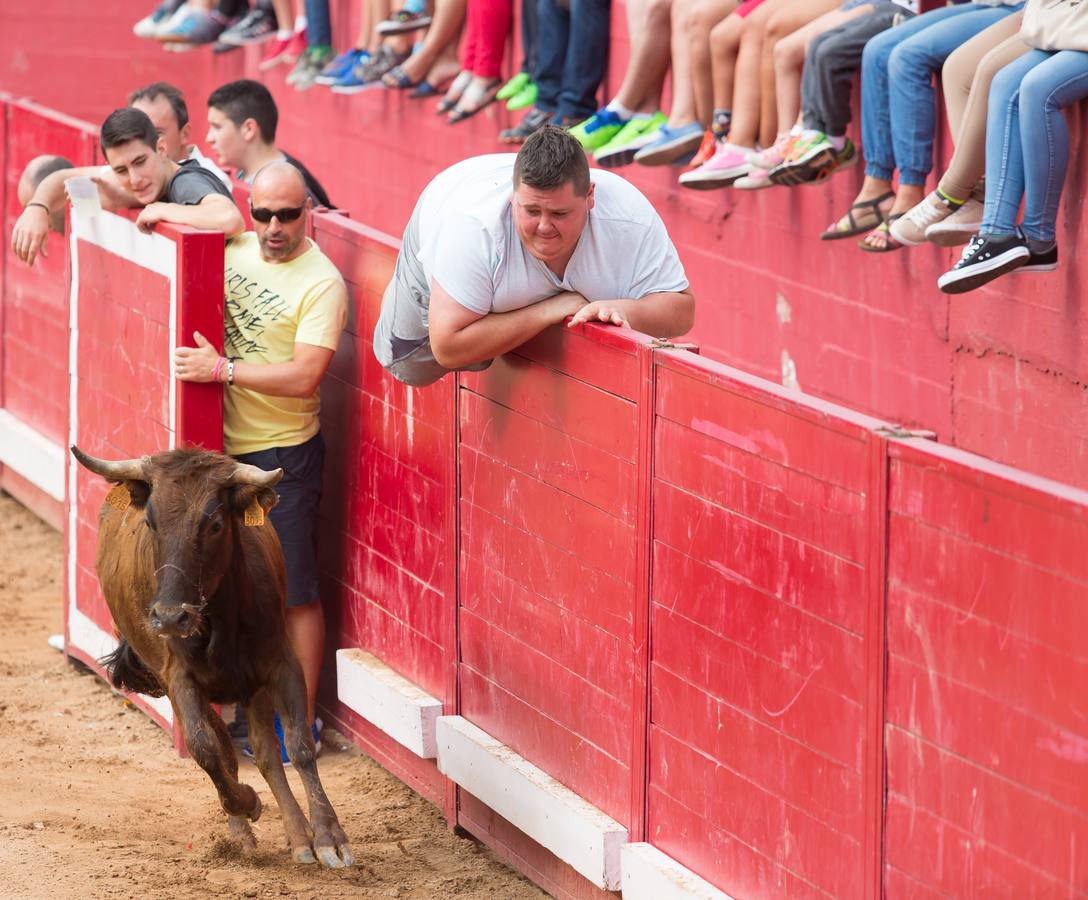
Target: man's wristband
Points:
(36, 203)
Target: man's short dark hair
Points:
(128, 124)
(158, 89)
(247, 99)
(47, 167)
(549, 159)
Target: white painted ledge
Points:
(388, 700)
(30, 453)
(649, 874)
(531, 800)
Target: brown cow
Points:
(193, 574)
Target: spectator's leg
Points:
(529, 30)
(440, 42)
(587, 59)
(911, 67)
(789, 61)
(698, 23)
(682, 107)
(1004, 153)
(968, 72)
(1046, 90)
(785, 21)
(724, 49)
(650, 30)
(744, 128)
(318, 23)
(554, 23)
(490, 24)
(470, 37)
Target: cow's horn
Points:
(246, 474)
(113, 470)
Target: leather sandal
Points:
(871, 216)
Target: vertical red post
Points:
(451, 587)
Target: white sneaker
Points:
(910, 229)
(959, 227)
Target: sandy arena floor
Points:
(95, 803)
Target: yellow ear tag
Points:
(254, 513)
(119, 497)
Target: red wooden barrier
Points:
(388, 529)
(133, 298)
(987, 725)
(34, 332)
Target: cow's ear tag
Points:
(119, 498)
(254, 513)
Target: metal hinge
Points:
(666, 344)
(898, 431)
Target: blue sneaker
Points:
(342, 65)
(315, 730)
(673, 144)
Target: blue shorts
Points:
(295, 515)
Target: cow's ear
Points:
(252, 501)
(130, 492)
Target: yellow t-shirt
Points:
(269, 308)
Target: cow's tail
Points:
(127, 672)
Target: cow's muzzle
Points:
(175, 620)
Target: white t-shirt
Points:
(468, 244)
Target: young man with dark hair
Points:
(500, 247)
(242, 120)
(181, 194)
(166, 107)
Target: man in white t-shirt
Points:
(501, 247)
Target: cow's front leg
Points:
(330, 842)
(192, 710)
(266, 753)
(237, 826)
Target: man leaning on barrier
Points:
(501, 247)
(177, 193)
(286, 305)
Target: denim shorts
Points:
(295, 515)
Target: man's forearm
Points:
(207, 217)
(289, 379)
(661, 315)
(495, 334)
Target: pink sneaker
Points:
(755, 180)
(727, 165)
(773, 155)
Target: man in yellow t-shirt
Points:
(286, 305)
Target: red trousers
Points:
(486, 29)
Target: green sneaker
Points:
(598, 129)
(524, 98)
(513, 86)
(636, 134)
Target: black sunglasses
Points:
(264, 216)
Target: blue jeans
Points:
(897, 98)
(1027, 140)
(318, 27)
(572, 53)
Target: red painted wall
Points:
(1000, 372)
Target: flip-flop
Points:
(454, 92)
(398, 79)
(481, 97)
(859, 224)
(423, 90)
(890, 243)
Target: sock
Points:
(949, 199)
(838, 141)
(300, 23)
(282, 35)
(720, 122)
(620, 110)
(797, 130)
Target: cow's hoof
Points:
(303, 855)
(329, 859)
(240, 833)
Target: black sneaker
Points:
(259, 24)
(983, 260)
(1047, 261)
(534, 120)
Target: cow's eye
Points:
(215, 526)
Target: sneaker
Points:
(342, 65)
(195, 27)
(1047, 261)
(258, 25)
(368, 74)
(721, 170)
(514, 86)
(279, 51)
(534, 120)
(774, 155)
(636, 134)
(987, 257)
(756, 179)
(150, 24)
(672, 144)
(403, 21)
(304, 75)
(808, 163)
(910, 229)
(524, 98)
(315, 729)
(707, 149)
(598, 129)
(959, 227)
